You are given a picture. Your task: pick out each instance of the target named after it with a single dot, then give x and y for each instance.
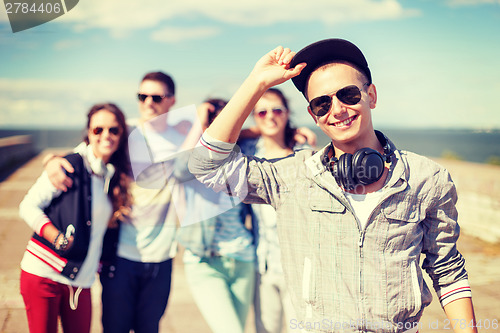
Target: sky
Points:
(435, 63)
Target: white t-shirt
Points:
(363, 205)
(149, 236)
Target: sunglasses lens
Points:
(114, 130)
(320, 105)
(97, 130)
(350, 95)
(277, 111)
(156, 98)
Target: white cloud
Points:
(176, 34)
(119, 17)
(67, 44)
(122, 17)
(58, 103)
(64, 103)
(455, 3)
(3, 16)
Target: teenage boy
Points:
(353, 218)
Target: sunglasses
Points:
(349, 95)
(156, 98)
(276, 112)
(112, 130)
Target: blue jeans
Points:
(135, 296)
(223, 289)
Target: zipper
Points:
(393, 189)
(360, 242)
(361, 277)
(361, 239)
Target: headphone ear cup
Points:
(343, 171)
(368, 165)
(336, 171)
(349, 182)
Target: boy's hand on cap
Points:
(203, 114)
(274, 67)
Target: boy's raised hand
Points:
(274, 67)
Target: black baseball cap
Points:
(324, 52)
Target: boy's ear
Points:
(172, 101)
(312, 115)
(372, 94)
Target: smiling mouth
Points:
(346, 122)
(107, 143)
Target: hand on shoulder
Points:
(56, 168)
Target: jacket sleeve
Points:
(222, 167)
(180, 171)
(443, 262)
(39, 197)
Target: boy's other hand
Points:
(56, 168)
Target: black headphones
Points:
(364, 167)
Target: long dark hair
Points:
(118, 193)
(289, 129)
(218, 104)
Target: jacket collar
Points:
(97, 167)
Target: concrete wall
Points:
(478, 187)
(15, 150)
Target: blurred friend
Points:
(62, 257)
(136, 285)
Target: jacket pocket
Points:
(404, 291)
(404, 230)
(405, 211)
(415, 286)
(308, 286)
(402, 246)
(322, 201)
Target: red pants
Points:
(46, 300)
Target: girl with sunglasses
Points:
(271, 116)
(62, 257)
(272, 302)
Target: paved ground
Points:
(483, 262)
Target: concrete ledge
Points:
(478, 187)
(14, 150)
